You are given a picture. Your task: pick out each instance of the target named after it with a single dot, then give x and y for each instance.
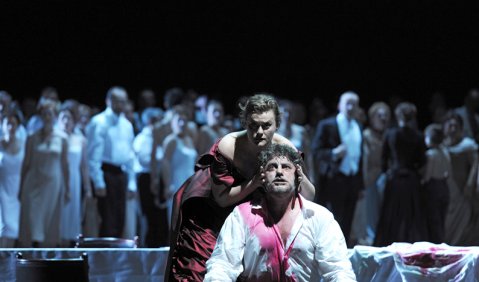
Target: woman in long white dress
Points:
(78, 171)
(368, 207)
(463, 153)
(12, 151)
(179, 157)
(44, 180)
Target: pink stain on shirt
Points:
(270, 241)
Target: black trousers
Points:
(339, 195)
(157, 229)
(112, 207)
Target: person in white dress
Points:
(179, 157)
(464, 158)
(79, 177)
(44, 180)
(12, 151)
(213, 129)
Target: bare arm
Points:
(166, 168)
(65, 170)
(85, 173)
(25, 164)
(201, 141)
(307, 188)
(226, 196)
(153, 163)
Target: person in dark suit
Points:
(336, 147)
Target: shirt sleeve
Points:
(225, 263)
(331, 253)
(130, 165)
(96, 145)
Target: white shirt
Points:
(350, 135)
(110, 140)
(142, 145)
(246, 245)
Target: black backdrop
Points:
(377, 49)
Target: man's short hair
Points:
(405, 111)
(114, 89)
(435, 133)
(279, 150)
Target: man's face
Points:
(261, 128)
(118, 101)
(280, 176)
(348, 105)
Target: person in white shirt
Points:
(156, 233)
(111, 158)
(336, 147)
(279, 235)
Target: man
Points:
(336, 148)
(110, 151)
(279, 235)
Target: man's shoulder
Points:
(328, 122)
(316, 211)
(98, 119)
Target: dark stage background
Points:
(377, 49)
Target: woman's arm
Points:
(25, 164)
(307, 189)
(166, 169)
(85, 173)
(65, 170)
(228, 195)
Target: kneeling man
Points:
(279, 235)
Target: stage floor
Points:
(421, 261)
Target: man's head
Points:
(279, 163)
(348, 104)
(405, 112)
(116, 99)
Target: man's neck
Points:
(279, 206)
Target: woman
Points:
(224, 178)
(179, 157)
(463, 154)
(44, 180)
(11, 158)
(368, 207)
(79, 177)
(402, 218)
(213, 129)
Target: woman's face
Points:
(9, 126)
(214, 114)
(261, 127)
(380, 120)
(285, 113)
(451, 127)
(178, 123)
(48, 115)
(66, 122)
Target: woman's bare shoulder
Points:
(227, 144)
(280, 139)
